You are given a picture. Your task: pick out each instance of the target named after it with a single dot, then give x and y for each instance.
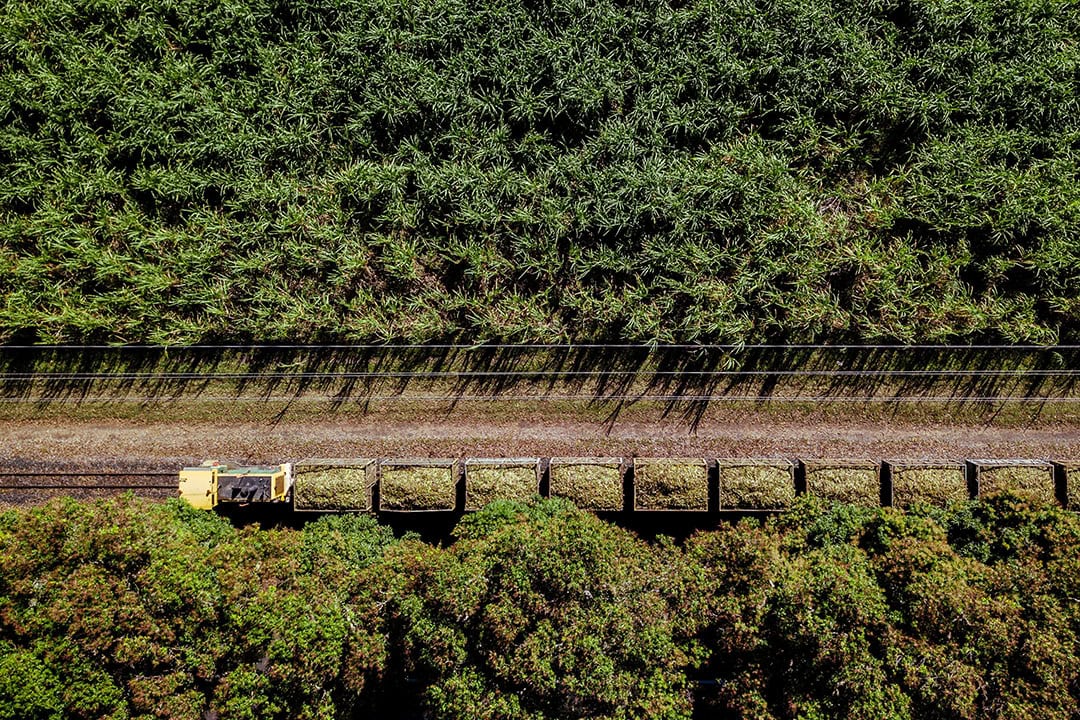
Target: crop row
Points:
(710, 170)
(681, 484)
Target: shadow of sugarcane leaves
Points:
(684, 380)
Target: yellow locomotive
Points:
(213, 482)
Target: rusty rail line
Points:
(12, 480)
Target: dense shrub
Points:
(129, 609)
(846, 612)
(539, 612)
(364, 169)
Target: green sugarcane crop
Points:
(729, 170)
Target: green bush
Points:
(130, 609)
(367, 170)
(125, 608)
(839, 611)
(539, 612)
(350, 542)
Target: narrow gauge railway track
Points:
(74, 479)
(547, 346)
(688, 485)
(528, 374)
(622, 398)
(19, 487)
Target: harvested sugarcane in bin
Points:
(418, 485)
(589, 483)
(333, 484)
(671, 484)
(847, 481)
(1032, 480)
(490, 479)
(762, 484)
(927, 482)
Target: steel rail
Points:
(42, 478)
(596, 398)
(89, 473)
(450, 374)
(542, 346)
(39, 486)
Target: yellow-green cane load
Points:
(589, 483)
(333, 484)
(487, 480)
(761, 484)
(1032, 480)
(927, 482)
(671, 484)
(848, 481)
(417, 485)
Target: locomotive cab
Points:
(212, 483)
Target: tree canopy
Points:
(129, 609)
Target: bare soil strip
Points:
(118, 444)
(622, 404)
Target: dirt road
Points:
(163, 409)
(138, 443)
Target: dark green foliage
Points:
(849, 612)
(815, 522)
(793, 631)
(351, 542)
(130, 609)
(125, 608)
(539, 612)
(29, 690)
(359, 169)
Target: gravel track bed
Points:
(129, 445)
(16, 497)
